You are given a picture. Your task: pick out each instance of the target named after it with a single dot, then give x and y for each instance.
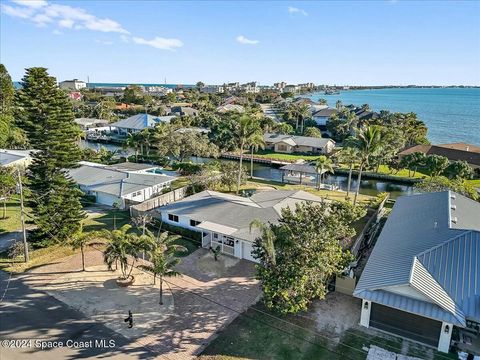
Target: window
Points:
(138, 193)
(172, 217)
(215, 235)
(194, 222)
(229, 241)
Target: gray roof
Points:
(115, 182)
(90, 121)
(430, 244)
(238, 212)
(327, 112)
(130, 166)
(297, 140)
(303, 168)
(8, 157)
(141, 121)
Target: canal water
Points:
(367, 187)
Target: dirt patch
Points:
(207, 264)
(336, 313)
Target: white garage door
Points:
(106, 199)
(247, 251)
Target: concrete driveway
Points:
(204, 303)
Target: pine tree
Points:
(47, 117)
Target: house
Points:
(17, 158)
(321, 116)
(422, 278)
(453, 152)
(222, 109)
(90, 123)
(303, 144)
(212, 89)
(183, 111)
(224, 220)
(139, 122)
(74, 84)
(120, 183)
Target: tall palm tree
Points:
(82, 239)
(133, 140)
(349, 155)
(245, 129)
(368, 143)
(322, 165)
(162, 257)
(256, 141)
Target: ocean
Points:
(451, 114)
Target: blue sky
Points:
(337, 42)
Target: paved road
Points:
(7, 239)
(29, 314)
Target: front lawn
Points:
(190, 245)
(12, 220)
(106, 220)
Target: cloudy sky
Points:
(338, 42)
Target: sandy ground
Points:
(96, 294)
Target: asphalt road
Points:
(34, 318)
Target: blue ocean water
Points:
(451, 114)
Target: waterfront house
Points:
(139, 122)
(300, 144)
(323, 115)
(453, 152)
(222, 109)
(123, 184)
(90, 123)
(422, 278)
(224, 220)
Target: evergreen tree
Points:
(47, 117)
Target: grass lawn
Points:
(190, 245)
(38, 257)
(269, 154)
(180, 182)
(474, 183)
(12, 220)
(106, 220)
(384, 169)
(328, 194)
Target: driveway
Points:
(204, 303)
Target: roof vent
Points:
(453, 207)
(454, 220)
(453, 197)
(435, 224)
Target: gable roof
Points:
(141, 121)
(327, 112)
(294, 140)
(431, 243)
(462, 146)
(236, 212)
(452, 153)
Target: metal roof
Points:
(141, 121)
(297, 140)
(430, 243)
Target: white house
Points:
(422, 278)
(321, 116)
(224, 220)
(122, 184)
(302, 144)
(17, 158)
(74, 84)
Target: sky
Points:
(383, 42)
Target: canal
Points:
(367, 187)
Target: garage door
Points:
(405, 324)
(247, 251)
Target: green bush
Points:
(187, 233)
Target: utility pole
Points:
(22, 217)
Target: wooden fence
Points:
(375, 218)
(158, 201)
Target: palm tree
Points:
(162, 257)
(246, 128)
(133, 140)
(256, 141)
(322, 165)
(368, 143)
(83, 239)
(267, 241)
(120, 246)
(300, 112)
(349, 155)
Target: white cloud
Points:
(66, 23)
(57, 32)
(43, 13)
(295, 10)
(104, 42)
(243, 40)
(159, 43)
(31, 3)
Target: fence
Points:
(375, 218)
(158, 201)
